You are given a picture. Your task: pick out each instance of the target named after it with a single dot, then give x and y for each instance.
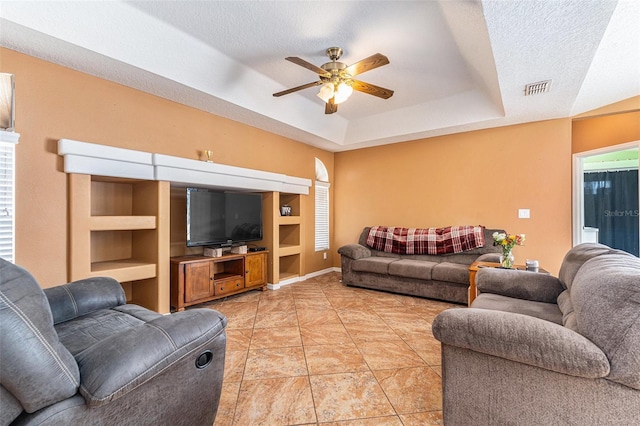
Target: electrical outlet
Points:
(324, 256)
(524, 214)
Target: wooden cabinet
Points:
(198, 279)
(199, 276)
(255, 269)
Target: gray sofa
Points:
(534, 349)
(443, 277)
(77, 354)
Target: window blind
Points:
(7, 200)
(322, 216)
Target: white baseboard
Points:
(303, 278)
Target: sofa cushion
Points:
(566, 307)
(86, 331)
(376, 264)
(576, 257)
(496, 302)
(606, 300)
(488, 243)
(527, 285)
(451, 272)
(412, 269)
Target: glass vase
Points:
(507, 260)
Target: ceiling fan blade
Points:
(308, 65)
(295, 89)
(367, 64)
(330, 107)
(371, 89)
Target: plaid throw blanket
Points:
(452, 239)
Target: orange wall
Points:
(615, 128)
(54, 102)
(481, 177)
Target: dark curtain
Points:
(611, 205)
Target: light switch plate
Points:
(524, 214)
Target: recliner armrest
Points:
(522, 339)
(519, 284)
(81, 297)
(120, 363)
(354, 251)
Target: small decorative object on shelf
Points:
(285, 210)
(507, 242)
(209, 154)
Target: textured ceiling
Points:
(454, 65)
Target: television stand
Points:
(199, 279)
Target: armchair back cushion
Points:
(575, 258)
(36, 368)
(607, 311)
(72, 301)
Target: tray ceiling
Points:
(454, 65)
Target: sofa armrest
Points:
(81, 297)
(354, 251)
(124, 361)
(489, 257)
(522, 339)
(519, 284)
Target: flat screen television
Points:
(217, 218)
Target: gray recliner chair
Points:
(78, 354)
(534, 349)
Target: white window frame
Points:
(322, 240)
(8, 142)
(322, 216)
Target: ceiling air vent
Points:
(536, 88)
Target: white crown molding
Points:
(101, 160)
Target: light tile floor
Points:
(320, 353)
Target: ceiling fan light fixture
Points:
(342, 93)
(336, 78)
(326, 92)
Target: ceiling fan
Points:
(336, 78)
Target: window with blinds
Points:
(7, 200)
(322, 216)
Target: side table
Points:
(473, 291)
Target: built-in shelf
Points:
(137, 228)
(289, 220)
(288, 250)
(119, 228)
(121, 223)
(124, 270)
(284, 276)
(289, 266)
